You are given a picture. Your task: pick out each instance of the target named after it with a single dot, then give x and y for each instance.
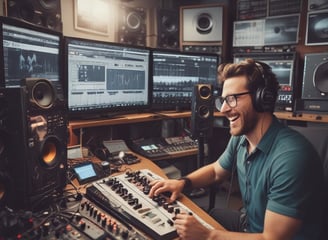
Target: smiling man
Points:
(279, 172)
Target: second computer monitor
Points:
(174, 75)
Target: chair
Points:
(318, 136)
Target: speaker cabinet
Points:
(167, 28)
(201, 23)
(202, 105)
(132, 26)
(45, 13)
(315, 82)
(34, 127)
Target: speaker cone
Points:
(204, 111)
(205, 92)
(204, 23)
(50, 152)
(320, 77)
(43, 94)
(133, 21)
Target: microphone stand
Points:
(198, 192)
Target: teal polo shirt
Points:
(283, 174)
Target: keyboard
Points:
(154, 148)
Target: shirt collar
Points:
(266, 142)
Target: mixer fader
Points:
(126, 196)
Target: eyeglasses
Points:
(231, 100)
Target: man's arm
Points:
(208, 174)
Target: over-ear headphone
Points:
(264, 97)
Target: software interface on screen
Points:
(30, 53)
(104, 76)
(175, 74)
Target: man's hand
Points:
(189, 228)
(171, 185)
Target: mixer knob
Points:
(136, 207)
(99, 217)
(82, 225)
(95, 212)
(170, 209)
(177, 211)
(104, 221)
(125, 234)
(146, 190)
(170, 222)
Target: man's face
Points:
(242, 117)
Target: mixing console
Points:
(125, 196)
(112, 227)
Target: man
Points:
(279, 172)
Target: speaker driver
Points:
(50, 152)
(204, 23)
(320, 77)
(42, 93)
(205, 92)
(133, 21)
(204, 111)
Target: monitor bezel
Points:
(105, 112)
(29, 26)
(179, 106)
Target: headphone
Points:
(264, 97)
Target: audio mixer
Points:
(125, 196)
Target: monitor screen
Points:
(283, 66)
(29, 51)
(104, 78)
(174, 75)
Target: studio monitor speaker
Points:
(315, 78)
(202, 105)
(167, 28)
(34, 126)
(201, 23)
(132, 26)
(45, 13)
(315, 82)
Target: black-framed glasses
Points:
(231, 100)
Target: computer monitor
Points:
(30, 51)
(105, 79)
(175, 74)
(284, 66)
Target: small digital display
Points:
(85, 172)
(149, 147)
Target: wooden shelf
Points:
(148, 117)
(158, 116)
(305, 117)
(127, 119)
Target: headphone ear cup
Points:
(264, 100)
